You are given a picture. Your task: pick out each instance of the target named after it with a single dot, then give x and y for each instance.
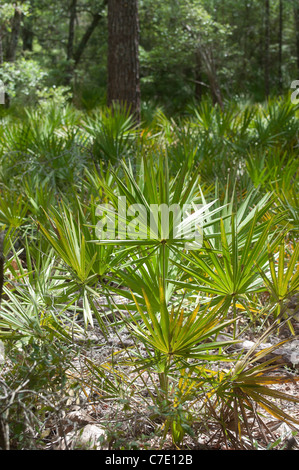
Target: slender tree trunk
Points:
(85, 38)
(27, 38)
(210, 68)
(267, 48)
(27, 32)
(296, 16)
(198, 77)
(15, 33)
(246, 23)
(71, 36)
(70, 42)
(123, 56)
(74, 56)
(4, 432)
(1, 47)
(280, 77)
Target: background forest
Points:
(140, 342)
(247, 49)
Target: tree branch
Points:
(85, 38)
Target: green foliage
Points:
(173, 74)
(23, 80)
(239, 392)
(31, 390)
(113, 134)
(183, 309)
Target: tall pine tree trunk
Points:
(280, 77)
(267, 48)
(123, 57)
(70, 42)
(71, 35)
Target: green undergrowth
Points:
(183, 308)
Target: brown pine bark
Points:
(123, 57)
(70, 42)
(267, 48)
(71, 35)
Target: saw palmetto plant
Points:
(85, 266)
(282, 280)
(152, 244)
(243, 394)
(93, 244)
(112, 134)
